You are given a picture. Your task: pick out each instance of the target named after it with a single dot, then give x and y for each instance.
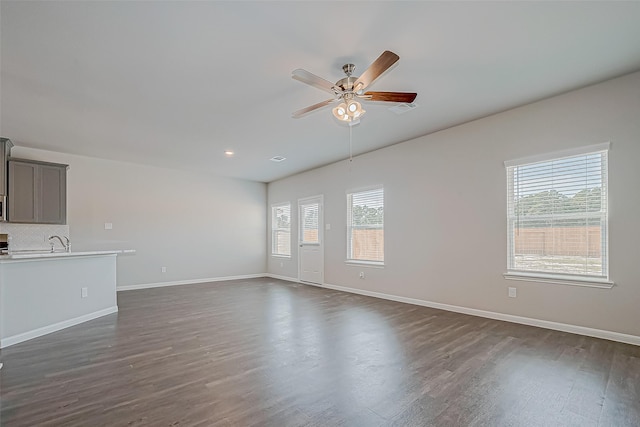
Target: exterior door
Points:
(310, 240)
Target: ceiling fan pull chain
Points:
(350, 144)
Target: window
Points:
(309, 215)
(365, 226)
(281, 229)
(557, 215)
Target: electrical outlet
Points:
(84, 292)
(108, 226)
(164, 269)
(282, 264)
(512, 292)
(361, 275)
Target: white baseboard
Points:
(15, 339)
(187, 282)
(287, 278)
(564, 327)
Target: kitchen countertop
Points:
(37, 254)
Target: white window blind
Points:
(557, 215)
(281, 229)
(365, 226)
(309, 214)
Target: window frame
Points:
(319, 201)
(512, 273)
(275, 230)
(349, 227)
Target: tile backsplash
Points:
(32, 236)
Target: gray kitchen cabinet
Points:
(37, 192)
(5, 150)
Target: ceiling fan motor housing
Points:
(346, 84)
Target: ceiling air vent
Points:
(277, 158)
(403, 108)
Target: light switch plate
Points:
(108, 226)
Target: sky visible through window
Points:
(570, 175)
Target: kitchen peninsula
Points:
(44, 292)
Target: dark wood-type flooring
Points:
(263, 352)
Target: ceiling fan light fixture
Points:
(354, 109)
(348, 112)
(340, 112)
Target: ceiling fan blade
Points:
(311, 108)
(390, 96)
(375, 70)
(311, 79)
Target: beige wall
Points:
(453, 184)
(198, 226)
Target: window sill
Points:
(374, 264)
(560, 280)
(280, 256)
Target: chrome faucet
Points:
(66, 246)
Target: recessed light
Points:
(277, 158)
(228, 153)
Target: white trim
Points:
(285, 278)
(356, 263)
(25, 336)
(307, 200)
(350, 193)
(559, 280)
(546, 324)
(605, 146)
(321, 229)
(273, 230)
(544, 181)
(294, 280)
(310, 198)
(187, 282)
(363, 189)
(279, 205)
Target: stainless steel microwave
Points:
(3, 208)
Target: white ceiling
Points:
(174, 84)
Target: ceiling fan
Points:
(349, 90)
